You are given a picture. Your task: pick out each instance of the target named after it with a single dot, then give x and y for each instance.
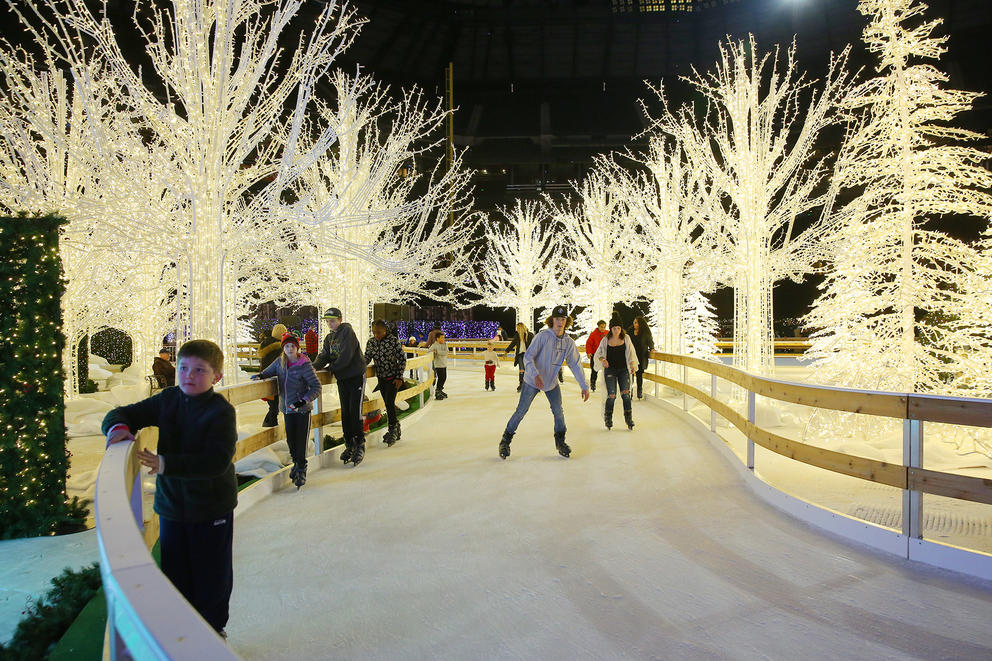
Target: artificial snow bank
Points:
(644, 544)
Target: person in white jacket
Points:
(617, 360)
(542, 362)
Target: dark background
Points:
(541, 86)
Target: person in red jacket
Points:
(595, 337)
(311, 343)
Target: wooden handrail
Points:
(906, 406)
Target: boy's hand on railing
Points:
(119, 434)
(150, 460)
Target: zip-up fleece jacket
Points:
(388, 356)
(297, 380)
(196, 439)
(544, 356)
(341, 354)
(440, 354)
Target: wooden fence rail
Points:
(909, 407)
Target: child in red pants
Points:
(491, 361)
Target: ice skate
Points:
(358, 453)
(346, 453)
(301, 476)
(492, 385)
(504, 445)
(608, 414)
(562, 446)
(392, 435)
(628, 417)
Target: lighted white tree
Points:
(700, 328)
(517, 265)
(602, 243)
(755, 145)
(374, 227)
(214, 103)
(666, 201)
(45, 129)
(885, 319)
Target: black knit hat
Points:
(332, 313)
(559, 311)
(615, 321)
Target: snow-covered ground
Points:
(643, 545)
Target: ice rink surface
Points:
(643, 545)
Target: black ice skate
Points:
(628, 417)
(358, 453)
(301, 476)
(346, 453)
(608, 414)
(504, 445)
(392, 435)
(562, 446)
(492, 385)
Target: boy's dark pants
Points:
(197, 558)
(350, 396)
(297, 429)
(388, 389)
(442, 376)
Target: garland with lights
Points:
(33, 455)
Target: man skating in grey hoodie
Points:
(542, 362)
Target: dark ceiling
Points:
(556, 81)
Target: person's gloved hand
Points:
(298, 404)
(256, 377)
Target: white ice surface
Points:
(643, 545)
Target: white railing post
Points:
(685, 382)
(318, 431)
(656, 374)
(713, 395)
(750, 418)
(912, 457)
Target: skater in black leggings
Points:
(519, 345)
(298, 387)
(640, 336)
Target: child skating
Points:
(440, 361)
(490, 362)
(298, 387)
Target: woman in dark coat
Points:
(519, 345)
(640, 335)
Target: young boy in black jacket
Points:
(195, 487)
(386, 352)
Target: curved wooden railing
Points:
(147, 618)
(913, 409)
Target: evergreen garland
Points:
(33, 455)
(48, 618)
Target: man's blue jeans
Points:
(527, 395)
